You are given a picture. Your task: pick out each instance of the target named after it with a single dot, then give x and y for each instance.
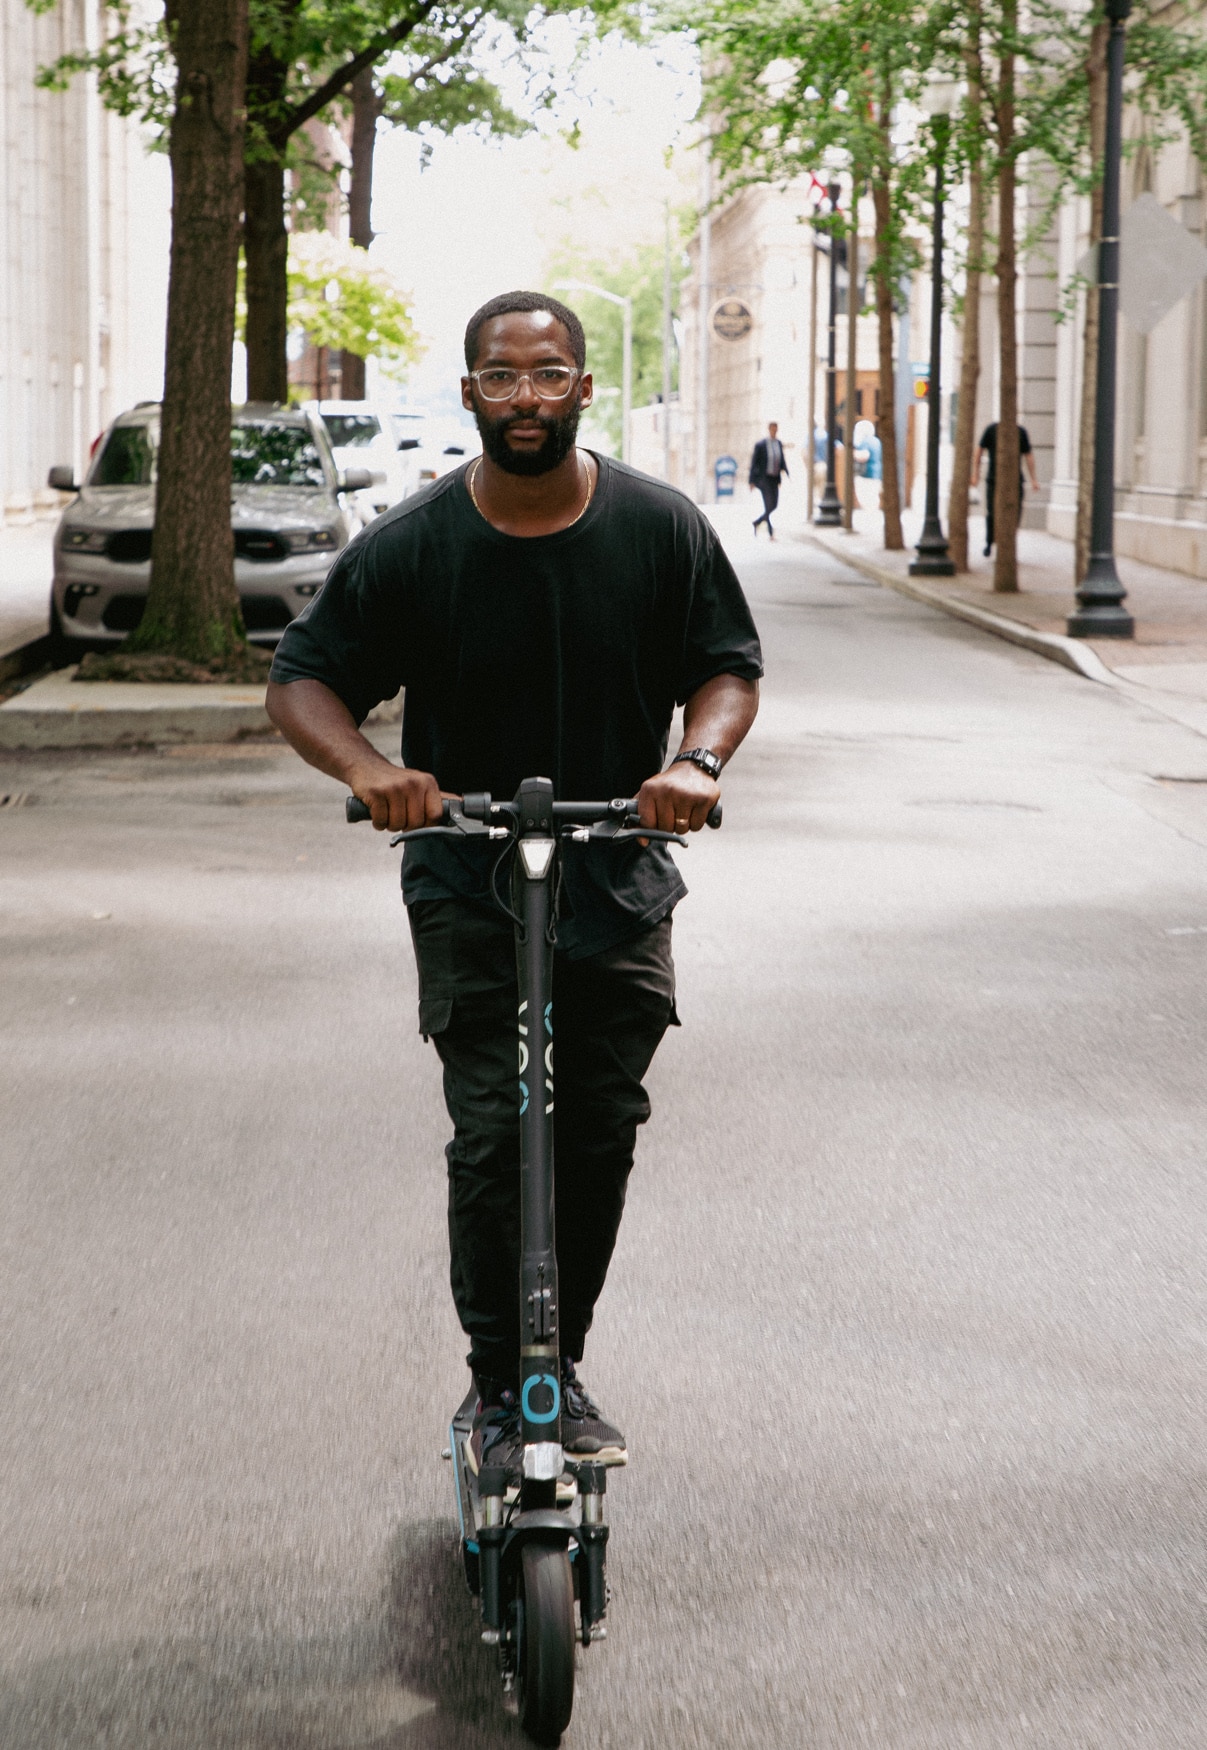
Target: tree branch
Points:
(343, 76)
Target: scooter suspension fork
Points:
(540, 1374)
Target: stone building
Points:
(1161, 419)
(84, 231)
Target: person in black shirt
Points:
(988, 444)
(545, 609)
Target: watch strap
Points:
(703, 757)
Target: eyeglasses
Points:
(550, 382)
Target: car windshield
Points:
(271, 453)
(127, 458)
(351, 430)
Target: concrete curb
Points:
(1066, 651)
(24, 658)
(57, 713)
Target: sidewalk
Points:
(26, 567)
(1164, 665)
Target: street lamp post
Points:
(626, 367)
(829, 511)
(1100, 595)
(933, 559)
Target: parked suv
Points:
(290, 512)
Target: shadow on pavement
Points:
(411, 1674)
(433, 1630)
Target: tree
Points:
(638, 276)
(343, 301)
(303, 57)
(437, 89)
(815, 88)
(1034, 70)
(970, 352)
(192, 606)
(306, 56)
(192, 612)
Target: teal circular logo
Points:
(548, 1389)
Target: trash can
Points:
(725, 470)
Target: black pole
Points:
(829, 511)
(933, 559)
(1100, 595)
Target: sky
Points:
(485, 216)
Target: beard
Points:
(560, 434)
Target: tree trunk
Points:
(1089, 344)
(970, 351)
(366, 107)
(265, 239)
(970, 372)
(1006, 504)
(848, 484)
(192, 607)
(886, 424)
(266, 268)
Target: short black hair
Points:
(508, 302)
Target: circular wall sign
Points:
(732, 319)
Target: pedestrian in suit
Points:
(767, 468)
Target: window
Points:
(127, 459)
(351, 430)
(268, 453)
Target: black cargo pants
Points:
(610, 1011)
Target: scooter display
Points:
(534, 1548)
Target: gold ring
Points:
(680, 823)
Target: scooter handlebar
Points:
(356, 811)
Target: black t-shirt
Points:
(559, 656)
(989, 442)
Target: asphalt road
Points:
(906, 1328)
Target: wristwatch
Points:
(703, 757)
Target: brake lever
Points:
(582, 835)
(459, 827)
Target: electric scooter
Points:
(533, 1552)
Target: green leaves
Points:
(341, 300)
(638, 276)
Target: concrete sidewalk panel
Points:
(59, 711)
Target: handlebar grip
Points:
(714, 819)
(355, 810)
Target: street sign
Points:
(1159, 262)
(732, 319)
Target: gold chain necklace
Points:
(473, 475)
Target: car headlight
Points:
(312, 540)
(85, 540)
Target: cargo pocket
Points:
(435, 1013)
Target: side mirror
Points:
(409, 444)
(62, 479)
(356, 479)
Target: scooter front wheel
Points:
(545, 1662)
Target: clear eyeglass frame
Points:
(506, 382)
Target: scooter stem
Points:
(540, 1373)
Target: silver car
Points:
(289, 512)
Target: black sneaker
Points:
(495, 1438)
(585, 1434)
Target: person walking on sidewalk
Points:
(767, 467)
(988, 446)
(545, 608)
